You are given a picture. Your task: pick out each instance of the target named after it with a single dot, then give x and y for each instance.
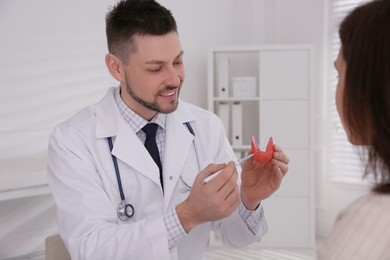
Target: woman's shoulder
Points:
(371, 209)
(371, 202)
(361, 231)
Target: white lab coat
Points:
(82, 179)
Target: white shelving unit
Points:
(279, 104)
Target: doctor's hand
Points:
(260, 180)
(212, 201)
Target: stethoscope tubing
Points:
(118, 177)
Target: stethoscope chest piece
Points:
(124, 211)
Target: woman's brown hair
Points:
(365, 40)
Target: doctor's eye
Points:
(155, 69)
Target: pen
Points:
(239, 162)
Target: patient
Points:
(362, 231)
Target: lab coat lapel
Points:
(177, 145)
(129, 149)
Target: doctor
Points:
(116, 200)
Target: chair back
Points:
(55, 248)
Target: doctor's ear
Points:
(115, 67)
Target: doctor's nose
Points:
(173, 77)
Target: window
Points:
(344, 158)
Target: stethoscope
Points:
(126, 210)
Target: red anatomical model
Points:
(262, 156)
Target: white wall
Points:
(201, 24)
(52, 64)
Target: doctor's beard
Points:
(154, 106)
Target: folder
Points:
(237, 123)
(224, 115)
(223, 77)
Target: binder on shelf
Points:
(223, 77)
(224, 115)
(237, 123)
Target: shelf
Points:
(263, 91)
(234, 99)
(241, 147)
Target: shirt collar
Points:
(135, 121)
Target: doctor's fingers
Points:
(282, 166)
(226, 180)
(211, 169)
(229, 187)
(233, 200)
(280, 155)
(226, 205)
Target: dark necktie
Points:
(151, 145)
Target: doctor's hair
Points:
(135, 17)
(365, 41)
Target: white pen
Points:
(239, 162)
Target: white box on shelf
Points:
(236, 123)
(223, 77)
(244, 87)
(224, 115)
